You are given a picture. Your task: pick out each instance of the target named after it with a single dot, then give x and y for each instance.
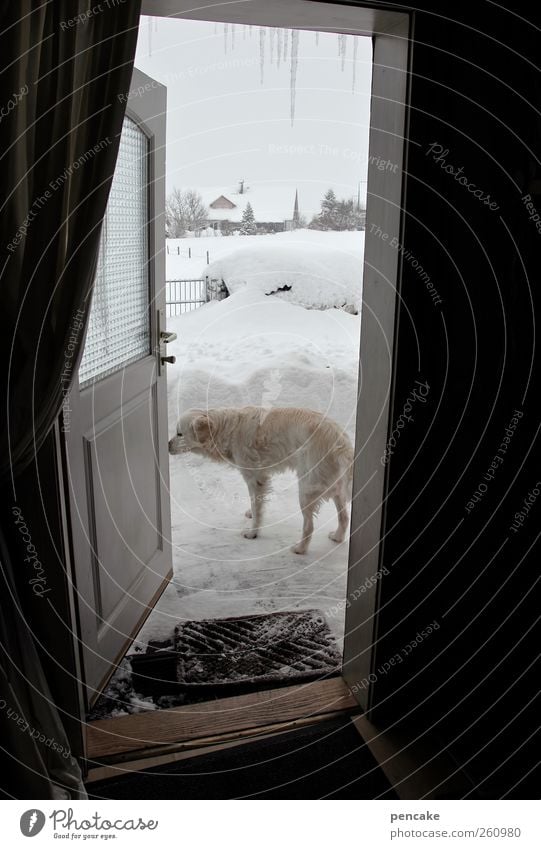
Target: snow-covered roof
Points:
(270, 202)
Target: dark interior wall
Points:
(463, 463)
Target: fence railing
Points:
(186, 295)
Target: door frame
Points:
(391, 32)
(392, 35)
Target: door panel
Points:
(116, 443)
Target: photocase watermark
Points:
(419, 394)
(382, 164)
(496, 462)
(533, 213)
(189, 73)
(521, 515)
(334, 152)
(377, 231)
(13, 102)
(84, 17)
(34, 733)
(369, 582)
(397, 658)
(138, 91)
(31, 822)
(193, 71)
(38, 581)
(54, 185)
(77, 325)
(86, 827)
(439, 157)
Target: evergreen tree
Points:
(337, 214)
(328, 205)
(248, 226)
(326, 219)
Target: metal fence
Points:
(185, 295)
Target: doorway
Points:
(288, 333)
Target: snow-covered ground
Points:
(256, 348)
(179, 265)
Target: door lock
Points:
(164, 337)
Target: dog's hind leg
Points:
(309, 506)
(258, 490)
(339, 534)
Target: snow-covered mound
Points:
(307, 275)
(252, 349)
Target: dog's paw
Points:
(299, 548)
(250, 534)
(336, 537)
(248, 514)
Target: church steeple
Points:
(296, 216)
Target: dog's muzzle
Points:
(177, 445)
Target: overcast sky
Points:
(224, 124)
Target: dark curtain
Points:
(63, 66)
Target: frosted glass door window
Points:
(119, 323)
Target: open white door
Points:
(116, 434)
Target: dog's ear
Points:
(201, 429)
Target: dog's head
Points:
(193, 433)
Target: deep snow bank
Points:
(253, 349)
(308, 275)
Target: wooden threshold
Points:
(119, 765)
(224, 718)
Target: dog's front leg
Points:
(258, 490)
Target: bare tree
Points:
(175, 215)
(184, 210)
(196, 212)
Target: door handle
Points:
(168, 360)
(167, 336)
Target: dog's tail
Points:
(346, 463)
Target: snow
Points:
(252, 348)
(179, 266)
(315, 277)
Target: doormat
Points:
(215, 658)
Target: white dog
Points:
(261, 442)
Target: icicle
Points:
(250, 30)
(286, 36)
(244, 28)
(355, 46)
(272, 35)
(343, 48)
(155, 24)
(317, 39)
(279, 45)
(294, 61)
(261, 51)
(233, 30)
(226, 29)
(215, 29)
